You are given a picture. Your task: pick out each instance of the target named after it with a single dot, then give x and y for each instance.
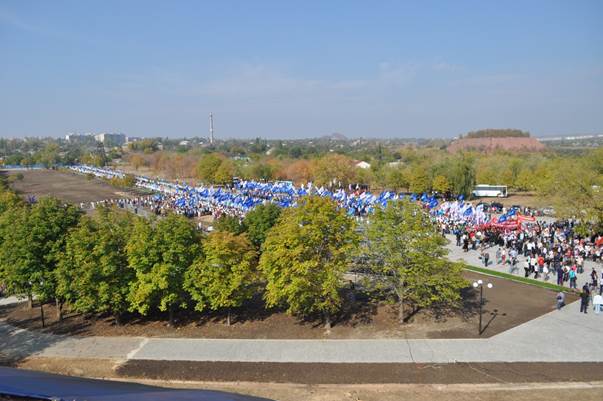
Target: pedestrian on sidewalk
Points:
(584, 298)
(546, 273)
(486, 258)
(594, 276)
(513, 257)
(498, 256)
(598, 303)
(572, 278)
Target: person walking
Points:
(559, 275)
(526, 268)
(584, 297)
(572, 278)
(598, 303)
(513, 260)
(486, 258)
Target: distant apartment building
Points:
(75, 138)
(110, 139)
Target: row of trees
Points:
(418, 170)
(114, 262)
(456, 173)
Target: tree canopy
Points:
(33, 242)
(160, 254)
(259, 221)
(305, 255)
(406, 252)
(226, 275)
(93, 273)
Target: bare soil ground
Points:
(507, 305)
(455, 382)
(69, 187)
(356, 373)
(523, 199)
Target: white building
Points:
(363, 164)
(110, 139)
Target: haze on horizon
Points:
(289, 70)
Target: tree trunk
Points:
(59, 306)
(42, 314)
(171, 316)
(228, 318)
(401, 311)
(327, 321)
(29, 301)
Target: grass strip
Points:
(519, 279)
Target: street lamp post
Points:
(480, 284)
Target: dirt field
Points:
(455, 382)
(524, 199)
(507, 305)
(69, 187)
(357, 373)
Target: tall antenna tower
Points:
(211, 129)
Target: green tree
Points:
(32, 247)
(395, 178)
(305, 255)
(525, 181)
(225, 172)
(49, 156)
(440, 184)
(575, 188)
(334, 168)
(259, 221)
(8, 200)
(93, 275)
(229, 223)
(207, 167)
(419, 180)
(261, 171)
(463, 175)
(226, 276)
(160, 253)
(407, 256)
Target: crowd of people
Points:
(240, 197)
(516, 239)
(552, 251)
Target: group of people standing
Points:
(542, 249)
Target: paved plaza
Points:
(472, 258)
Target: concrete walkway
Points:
(559, 336)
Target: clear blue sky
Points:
(282, 69)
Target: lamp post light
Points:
(480, 284)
